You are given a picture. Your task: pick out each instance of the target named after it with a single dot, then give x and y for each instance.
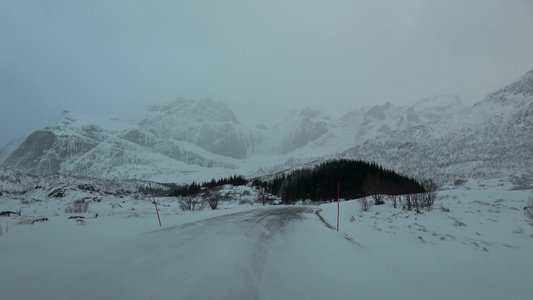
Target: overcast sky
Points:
(262, 58)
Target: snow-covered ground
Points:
(480, 249)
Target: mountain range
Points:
(488, 144)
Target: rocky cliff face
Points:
(34, 154)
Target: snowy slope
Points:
(333, 136)
(185, 140)
(9, 148)
(38, 189)
(491, 143)
(382, 119)
(152, 147)
(478, 249)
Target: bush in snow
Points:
(213, 199)
(395, 199)
(189, 203)
(365, 203)
(528, 211)
(430, 195)
(261, 197)
(419, 201)
(78, 207)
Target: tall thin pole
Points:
(156, 210)
(338, 203)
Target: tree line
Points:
(349, 179)
(195, 188)
(356, 179)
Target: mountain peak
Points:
(522, 87)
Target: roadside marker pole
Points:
(338, 203)
(156, 210)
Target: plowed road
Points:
(267, 253)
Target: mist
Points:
(262, 58)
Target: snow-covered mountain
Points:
(488, 144)
(185, 140)
(9, 148)
(36, 188)
(163, 143)
(386, 118)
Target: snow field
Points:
(61, 257)
(480, 249)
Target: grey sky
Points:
(262, 58)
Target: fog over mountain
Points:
(189, 140)
(261, 58)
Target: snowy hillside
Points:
(184, 140)
(39, 189)
(473, 245)
(9, 148)
(382, 119)
(489, 144)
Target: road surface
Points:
(283, 252)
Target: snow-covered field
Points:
(480, 249)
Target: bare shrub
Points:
(408, 205)
(417, 200)
(444, 209)
(395, 199)
(430, 194)
(365, 203)
(528, 211)
(189, 203)
(78, 207)
(214, 199)
(263, 198)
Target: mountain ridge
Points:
(186, 140)
(490, 142)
